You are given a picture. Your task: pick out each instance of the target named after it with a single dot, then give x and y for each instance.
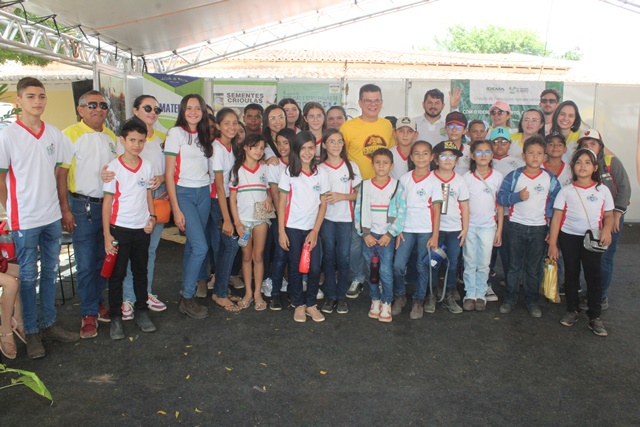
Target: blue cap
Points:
(500, 132)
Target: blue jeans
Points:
(88, 244)
(451, 241)
(155, 237)
(401, 261)
(225, 249)
(606, 262)
(502, 250)
(296, 242)
(27, 242)
(280, 261)
(336, 245)
(385, 255)
(526, 252)
(356, 261)
(194, 204)
(477, 256)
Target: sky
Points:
(602, 31)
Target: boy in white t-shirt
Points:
(128, 217)
(555, 152)
(405, 135)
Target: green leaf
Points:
(30, 379)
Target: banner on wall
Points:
(237, 95)
(327, 94)
(479, 95)
(169, 91)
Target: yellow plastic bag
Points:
(549, 285)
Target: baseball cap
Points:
(591, 134)
(406, 121)
(500, 132)
(552, 135)
(447, 146)
(456, 117)
(500, 105)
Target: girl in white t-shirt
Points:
(249, 187)
(485, 224)
(301, 210)
(344, 179)
(584, 205)
(314, 117)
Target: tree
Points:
(495, 39)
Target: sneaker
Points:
(285, 285)
(315, 314)
(329, 305)
(56, 332)
(430, 304)
(569, 318)
(211, 282)
(398, 304)
(154, 303)
(236, 282)
(320, 294)
(103, 314)
(481, 305)
(374, 311)
(597, 327)
(450, 303)
(127, 310)
(535, 311)
(343, 308)
(35, 349)
(561, 290)
(604, 305)
(355, 289)
(191, 308)
(490, 295)
(417, 309)
(89, 328)
(506, 308)
(201, 289)
(300, 315)
(117, 329)
(144, 322)
(275, 304)
(385, 313)
(469, 304)
(267, 287)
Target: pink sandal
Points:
(8, 348)
(18, 330)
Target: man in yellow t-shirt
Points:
(365, 134)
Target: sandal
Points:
(260, 305)
(234, 298)
(243, 303)
(220, 302)
(18, 330)
(8, 348)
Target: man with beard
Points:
(549, 100)
(431, 124)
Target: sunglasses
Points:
(497, 112)
(455, 127)
(548, 101)
(480, 153)
(148, 108)
(93, 105)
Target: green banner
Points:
(327, 94)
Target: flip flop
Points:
(8, 348)
(244, 303)
(260, 305)
(228, 307)
(234, 298)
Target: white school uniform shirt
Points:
(251, 188)
(462, 164)
(339, 182)
(303, 197)
(379, 200)
(596, 199)
(507, 164)
(420, 196)
(483, 200)
(275, 171)
(400, 164)
(223, 161)
(129, 189)
(153, 152)
(192, 167)
(565, 177)
(458, 192)
(532, 211)
(30, 161)
(433, 133)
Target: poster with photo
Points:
(111, 83)
(237, 94)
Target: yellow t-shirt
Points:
(363, 138)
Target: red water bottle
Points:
(7, 248)
(109, 263)
(305, 259)
(374, 270)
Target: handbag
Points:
(591, 241)
(162, 208)
(549, 284)
(260, 211)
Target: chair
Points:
(67, 241)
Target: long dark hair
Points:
(204, 140)
(595, 176)
(343, 153)
(410, 163)
(472, 163)
(241, 155)
(220, 116)
(287, 133)
(295, 162)
(299, 121)
(308, 107)
(576, 124)
(266, 132)
(540, 113)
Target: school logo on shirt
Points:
(513, 164)
(539, 188)
(316, 188)
(142, 182)
(486, 190)
(112, 147)
(592, 198)
(344, 179)
(372, 143)
(263, 179)
(51, 149)
(453, 194)
(420, 192)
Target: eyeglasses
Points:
(93, 105)
(148, 108)
(501, 141)
(371, 101)
(447, 156)
(336, 141)
(274, 118)
(315, 117)
(497, 112)
(455, 127)
(530, 120)
(480, 153)
(548, 101)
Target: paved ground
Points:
(262, 368)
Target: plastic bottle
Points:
(374, 270)
(305, 259)
(109, 263)
(243, 240)
(7, 248)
